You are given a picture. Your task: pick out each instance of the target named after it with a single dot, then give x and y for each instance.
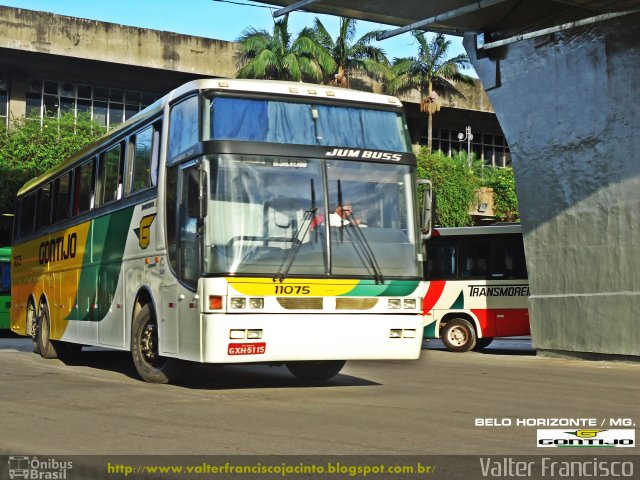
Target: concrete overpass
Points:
(562, 76)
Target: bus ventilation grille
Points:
(356, 303)
(294, 303)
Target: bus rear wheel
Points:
(459, 335)
(322, 370)
(31, 328)
(144, 349)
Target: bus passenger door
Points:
(182, 327)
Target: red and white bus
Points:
(476, 286)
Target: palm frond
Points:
(324, 37)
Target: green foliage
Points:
(431, 70)
(350, 54)
(28, 149)
(505, 201)
(280, 56)
(454, 185)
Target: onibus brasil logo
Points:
(38, 469)
(587, 438)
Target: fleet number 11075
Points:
(292, 290)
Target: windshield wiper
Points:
(361, 245)
(296, 242)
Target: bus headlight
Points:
(394, 303)
(238, 302)
(256, 303)
(410, 303)
(254, 334)
(395, 333)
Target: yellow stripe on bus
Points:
(62, 253)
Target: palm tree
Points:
(350, 55)
(278, 56)
(428, 73)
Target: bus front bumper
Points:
(282, 338)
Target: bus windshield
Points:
(265, 211)
(261, 120)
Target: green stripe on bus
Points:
(101, 266)
(391, 288)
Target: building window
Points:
(4, 100)
(107, 106)
(491, 149)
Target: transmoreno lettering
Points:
(58, 249)
(499, 291)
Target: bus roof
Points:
(276, 87)
(483, 230)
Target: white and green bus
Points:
(198, 230)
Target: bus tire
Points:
(31, 324)
(482, 343)
(47, 348)
(144, 349)
(323, 370)
(459, 335)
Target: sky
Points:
(222, 20)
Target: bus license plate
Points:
(246, 348)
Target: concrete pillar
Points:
(569, 106)
(17, 95)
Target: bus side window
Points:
(61, 191)
(144, 160)
(475, 258)
(441, 259)
(110, 175)
(83, 188)
(27, 218)
(183, 128)
(43, 208)
(519, 260)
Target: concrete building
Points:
(52, 63)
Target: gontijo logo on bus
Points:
(59, 248)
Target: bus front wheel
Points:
(459, 335)
(144, 349)
(483, 342)
(323, 370)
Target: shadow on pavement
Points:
(211, 377)
(510, 346)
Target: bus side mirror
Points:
(426, 211)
